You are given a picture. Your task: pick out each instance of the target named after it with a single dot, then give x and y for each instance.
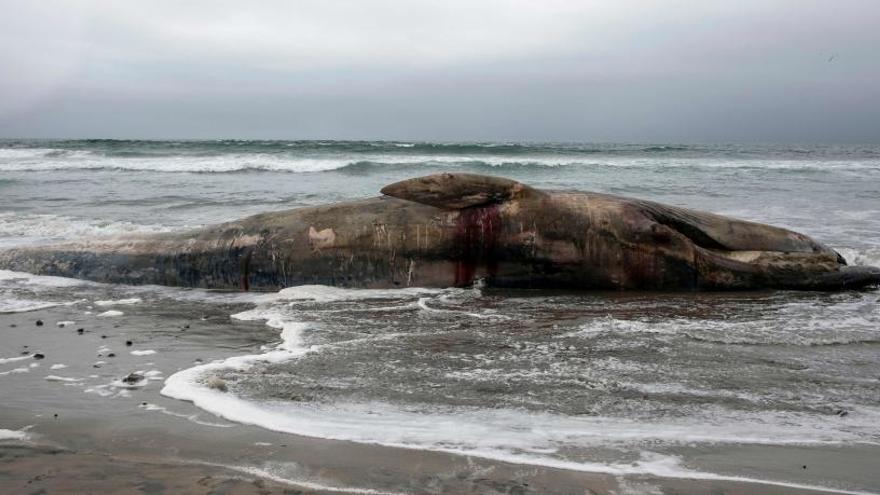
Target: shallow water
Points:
(614, 382)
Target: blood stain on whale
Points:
(476, 235)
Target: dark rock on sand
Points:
(133, 378)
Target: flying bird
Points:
(832, 57)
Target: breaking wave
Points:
(26, 229)
(363, 157)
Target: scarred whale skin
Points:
(451, 229)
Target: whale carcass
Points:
(451, 229)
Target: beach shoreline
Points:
(171, 444)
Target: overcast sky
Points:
(643, 71)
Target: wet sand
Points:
(40, 469)
(86, 436)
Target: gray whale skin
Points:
(452, 229)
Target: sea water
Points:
(612, 382)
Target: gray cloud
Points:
(556, 70)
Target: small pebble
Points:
(80, 330)
(39, 323)
(38, 356)
(128, 343)
(185, 327)
(805, 467)
(13, 325)
(56, 415)
(111, 355)
(133, 378)
(103, 336)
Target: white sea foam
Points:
(111, 313)
(12, 434)
(863, 257)
(101, 390)
(796, 323)
(64, 379)
(11, 279)
(18, 229)
(510, 436)
(19, 154)
(189, 417)
(49, 159)
(325, 293)
(422, 304)
(58, 366)
(14, 359)
(119, 302)
(15, 305)
(15, 371)
(121, 387)
(145, 352)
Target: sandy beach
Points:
(80, 438)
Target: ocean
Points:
(705, 386)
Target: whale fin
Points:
(456, 191)
(713, 231)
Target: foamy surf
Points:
(508, 435)
(15, 359)
(189, 417)
(13, 434)
(16, 305)
(119, 302)
(225, 159)
(17, 229)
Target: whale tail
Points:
(848, 277)
(456, 191)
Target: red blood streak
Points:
(476, 237)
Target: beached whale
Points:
(451, 229)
